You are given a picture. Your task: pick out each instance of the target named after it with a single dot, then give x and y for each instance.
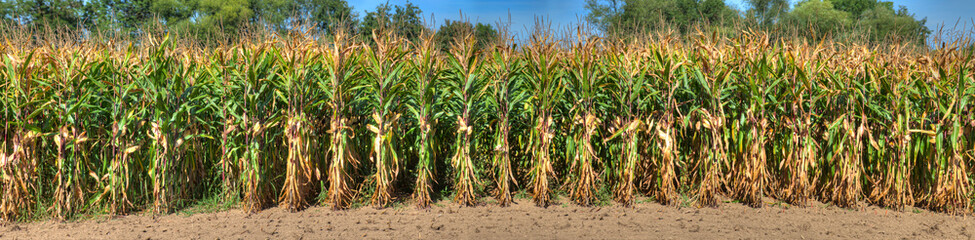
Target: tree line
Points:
(218, 19)
(869, 20)
(872, 20)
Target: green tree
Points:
(52, 13)
(328, 14)
(376, 20)
(878, 20)
(716, 11)
(229, 15)
(407, 21)
(171, 12)
(122, 16)
(645, 13)
(767, 12)
(854, 7)
(451, 30)
(603, 13)
(630, 15)
(273, 13)
(883, 22)
(7, 11)
(404, 21)
(818, 18)
(128, 15)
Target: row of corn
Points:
(116, 127)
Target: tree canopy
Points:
(403, 20)
(451, 31)
(871, 20)
(207, 19)
(616, 16)
(819, 16)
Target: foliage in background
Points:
(819, 17)
(856, 20)
(628, 16)
(484, 35)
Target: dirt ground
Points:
(520, 221)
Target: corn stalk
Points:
(544, 77)
(468, 85)
(297, 86)
(706, 125)
(69, 102)
(748, 135)
(21, 137)
(845, 136)
(123, 111)
(426, 67)
(660, 173)
(793, 142)
(952, 190)
(342, 68)
(260, 73)
(629, 71)
(385, 90)
(584, 84)
(505, 97)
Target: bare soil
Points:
(520, 221)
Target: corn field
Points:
(294, 121)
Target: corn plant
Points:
(384, 87)
(892, 165)
(121, 109)
(505, 96)
(425, 101)
(467, 86)
(258, 119)
(156, 124)
(341, 65)
(845, 135)
(706, 126)
(660, 172)
(19, 154)
(747, 131)
(544, 81)
(585, 84)
(173, 94)
(629, 71)
(793, 143)
(297, 87)
(70, 104)
(228, 99)
(951, 191)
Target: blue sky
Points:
(563, 13)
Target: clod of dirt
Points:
(436, 227)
